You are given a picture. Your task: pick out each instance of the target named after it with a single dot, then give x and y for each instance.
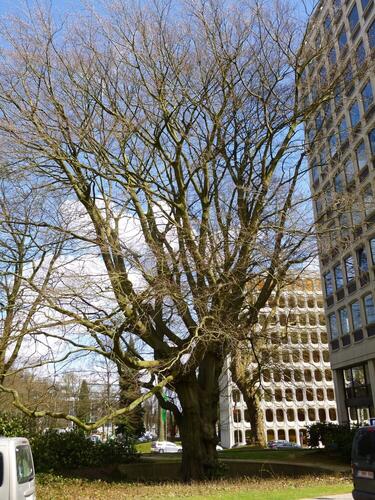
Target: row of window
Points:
(295, 356)
(299, 336)
(345, 272)
(292, 319)
(340, 323)
(299, 394)
(319, 375)
(302, 415)
(292, 301)
(344, 178)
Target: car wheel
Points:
(161, 450)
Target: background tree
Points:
(176, 142)
(83, 405)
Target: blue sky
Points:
(70, 6)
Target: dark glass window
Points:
(368, 302)
(315, 171)
(327, 23)
(343, 131)
(328, 283)
(360, 53)
(336, 5)
(371, 138)
(353, 18)
(318, 121)
(342, 39)
(368, 200)
(323, 75)
(371, 35)
(349, 269)
(365, 3)
(362, 260)
(349, 170)
(332, 141)
(367, 96)
(339, 182)
(344, 321)
(361, 155)
(24, 463)
(333, 326)
(372, 246)
(338, 96)
(356, 315)
(339, 277)
(355, 115)
(332, 58)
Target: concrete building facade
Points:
(341, 152)
(296, 381)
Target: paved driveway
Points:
(347, 496)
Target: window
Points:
(355, 115)
(301, 414)
(356, 315)
(353, 18)
(318, 42)
(328, 376)
(332, 58)
(299, 394)
(236, 396)
(328, 283)
(280, 415)
(269, 415)
(332, 142)
(339, 182)
(338, 96)
(323, 75)
(322, 415)
(336, 5)
(371, 138)
(308, 376)
(342, 40)
(349, 170)
(339, 277)
(327, 110)
(371, 35)
(332, 414)
(349, 269)
(318, 375)
(356, 214)
(289, 394)
(344, 321)
(319, 206)
(368, 200)
(360, 54)
(237, 416)
(365, 3)
(348, 78)
(361, 156)
(372, 247)
(333, 326)
(367, 96)
(309, 394)
(318, 121)
(311, 414)
(24, 464)
(343, 131)
(327, 23)
(362, 260)
(330, 394)
(368, 302)
(238, 436)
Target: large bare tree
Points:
(174, 133)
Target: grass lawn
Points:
(143, 447)
(303, 456)
(54, 487)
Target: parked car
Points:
(165, 447)
(282, 444)
(363, 463)
(219, 447)
(16, 469)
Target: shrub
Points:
(55, 451)
(333, 437)
(16, 425)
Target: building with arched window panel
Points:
(296, 382)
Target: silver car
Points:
(165, 447)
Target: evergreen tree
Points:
(129, 391)
(83, 402)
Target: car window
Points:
(365, 446)
(24, 462)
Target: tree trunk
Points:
(256, 417)
(199, 399)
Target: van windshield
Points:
(24, 461)
(365, 446)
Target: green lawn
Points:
(143, 447)
(54, 487)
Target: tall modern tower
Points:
(341, 151)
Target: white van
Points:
(17, 476)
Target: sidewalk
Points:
(347, 496)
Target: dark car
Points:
(363, 464)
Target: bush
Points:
(55, 451)
(16, 425)
(334, 437)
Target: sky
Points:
(70, 6)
